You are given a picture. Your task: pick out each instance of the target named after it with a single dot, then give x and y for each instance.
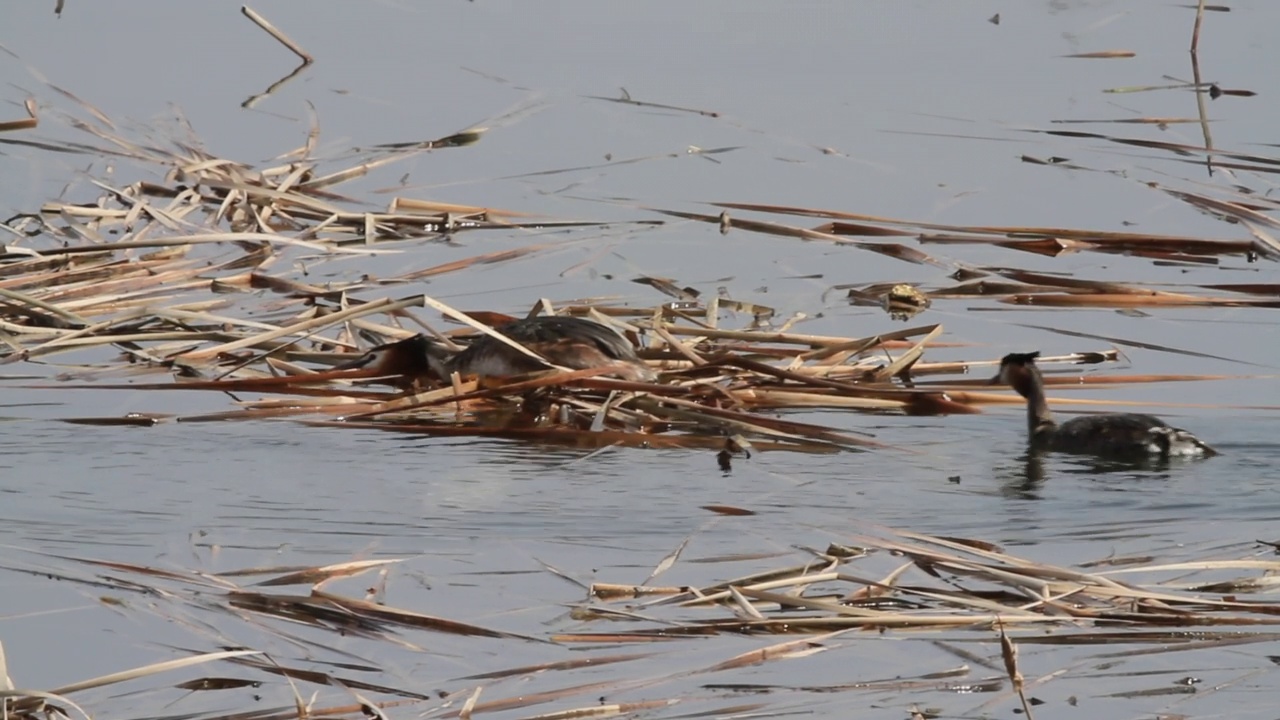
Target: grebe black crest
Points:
(1129, 435)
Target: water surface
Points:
(916, 110)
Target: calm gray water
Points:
(927, 107)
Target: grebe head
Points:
(413, 357)
(1018, 371)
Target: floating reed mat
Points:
(972, 600)
(715, 388)
(203, 239)
(713, 382)
(715, 385)
(205, 277)
(903, 581)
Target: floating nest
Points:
(205, 278)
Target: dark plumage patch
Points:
(566, 341)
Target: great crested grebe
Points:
(1119, 435)
(570, 342)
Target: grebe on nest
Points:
(570, 342)
(1119, 435)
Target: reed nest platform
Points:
(207, 279)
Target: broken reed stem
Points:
(1200, 91)
(1009, 653)
(384, 305)
(1195, 32)
(274, 32)
(27, 124)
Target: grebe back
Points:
(570, 342)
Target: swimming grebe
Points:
(1119, 435)
(570, 342)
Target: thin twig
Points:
(274, 32)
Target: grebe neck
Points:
(1026, 379)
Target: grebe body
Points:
(1122, 435)
(570, 342)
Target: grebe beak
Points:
(371, 358)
